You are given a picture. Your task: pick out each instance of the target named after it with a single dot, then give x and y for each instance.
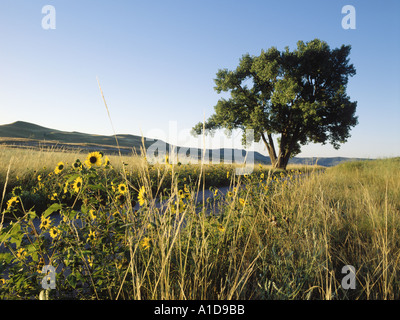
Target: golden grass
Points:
(27, 160)
(285, 239)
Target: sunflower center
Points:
(78, 184)
(93, 160)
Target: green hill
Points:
(31, 131)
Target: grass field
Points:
(277, 235)
(27, 164)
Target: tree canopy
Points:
(298, 95)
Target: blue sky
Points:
(156, 61)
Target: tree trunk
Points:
(284, 153)
(282, 160)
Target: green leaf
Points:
(6, 257)
(33, 251)
(34, 256)
(97, 187)
(15, 235)
(15, 229)
(72, 280)
(17, 240)
(51, 209)
(32, 215)
(5, 235)
(80, 277)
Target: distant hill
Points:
(22, 134)
(33, 132)
(325, 162)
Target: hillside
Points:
(34, 133)
(28, 135)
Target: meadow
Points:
(129, 230)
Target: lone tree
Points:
(299, 96)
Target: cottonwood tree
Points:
(296, 96)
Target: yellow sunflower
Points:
(59, 168)
(92, 236)
(92, 214)
(141, 198)
(21, 253)
(90, 261)
(77, 185)
(182, 207)
(45, 223)
(77, 165)
(12, 202)
(122, 188)
(54, 232)
(94, 159)
(145, 243)
(65, 218)
(106, 161)
(17, 191)
(66, 187)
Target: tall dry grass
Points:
(347, 216)
(269, 238)
(285, 240)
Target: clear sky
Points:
(156, 61)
